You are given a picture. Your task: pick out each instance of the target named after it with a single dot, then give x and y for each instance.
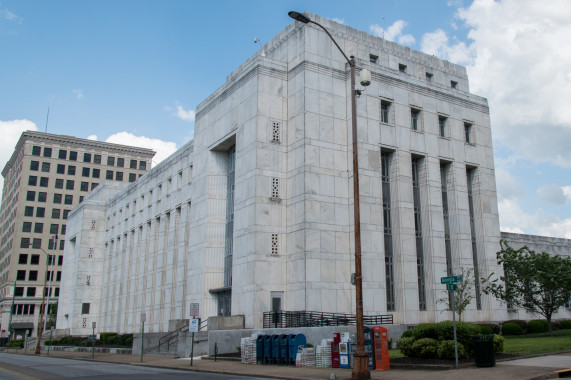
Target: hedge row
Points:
(106, 339)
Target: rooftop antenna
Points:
(47, 118)
(383, 34)
(257, 40)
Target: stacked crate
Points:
(306, 358)
(323, 354)
(248, 349)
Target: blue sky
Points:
(134, 71)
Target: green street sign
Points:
(450, 279)
(451, 287)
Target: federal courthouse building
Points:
(256, 213)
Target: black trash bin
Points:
(484, 350)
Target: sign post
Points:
(192, 327)
(93, 344)
(143, 318)
(451, 286)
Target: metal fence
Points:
(282, 319)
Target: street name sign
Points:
(450, 279)
(451, 287)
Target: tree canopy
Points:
(537, 282)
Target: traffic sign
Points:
(194, 309)
(193, 325)
(450, 279)
(451, 287)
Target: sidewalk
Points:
(541, 367)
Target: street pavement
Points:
(538, 367)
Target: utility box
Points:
(275, 349)
(283, 349)
(260, 349)
(295, 342)
(267, 349)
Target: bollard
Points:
(215, 350)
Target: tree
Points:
(463, 295)
(537, 282)
(52, 316)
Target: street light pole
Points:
(38, 338)
(360, 358)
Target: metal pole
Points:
(142, 338)
(38, 349)
(93, 344)
(454, 322)
(50, 283)
(11, 312)
(192, 349)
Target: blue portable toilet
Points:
(260, 349)
(275, 349)
(283, 356)
(267, 349)
(294, 342)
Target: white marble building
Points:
(255, 213)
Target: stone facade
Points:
(255, 214)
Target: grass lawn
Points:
(538, 343)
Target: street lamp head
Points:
(299, 17)
(365, 77)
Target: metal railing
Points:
(283, 319)
(171, 338)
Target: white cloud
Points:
(514, 219)
(393, 33)
(338, 20)
(92, 137)
(163, 148)
(519, 58)
(78, 93)
(508, 186)
(552, 194)
(7, 15)
(11, 131)
(186, 115)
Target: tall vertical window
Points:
(415, 119)
(468, 133)
(225, 297)
(470, 174)
(442, 126)
(385, 108)
(444, 188)
(416, 166)
(387, 228)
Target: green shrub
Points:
(520, 322)
(108, 337)
(425, 348)
(536, 326)
(407, 334)
(486, 330)
(129, 341)
(16, 343)
(405, 345)
(511, 328)
(498, 344)
(464, 333)
(494, 326)
(446, 350)
(565, 325)
(425, 330)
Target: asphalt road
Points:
(18, 367)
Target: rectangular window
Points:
(468, 133)
(132, 177)
(109, 174)
(133, 164)
(68, 199)
(415, 119)
(88, 280)
(40, 212)
(37, 244)
(119, 176)
(402, 68)
(44, 181)
(64, 215)
(54, 228)
(21, 275)
(84, 308)
(31, 196)
(31, 291)
(48, 152)
(111, 161)
(71, 170)
(36, 150)
(429, 77)
(94, 185)
(63, 229)
(442, 126)
(471, 175)
(60, 169)
(45, 167)
(35, 260)
(387, 228)
(84, 186)
(34, 166)
(19, 292)
(72, 156)
(62, 243)
(58, 276)
(60, 261)
(70, 184)
(85, 172)
(97, 159)
(59, 183)
(62, 154)
(95, 173)
(385, 108)
(27, 227)
(33, 275)
(29, 211)
(142, 165)
(453, 84)
(56, 213)
(87, 157)
(120, 162)
(56, 292)
(23, 259)
(42, 196)
(39, 228)
(373, 58)
(416, 167)
(32, 180)
(57, 198)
